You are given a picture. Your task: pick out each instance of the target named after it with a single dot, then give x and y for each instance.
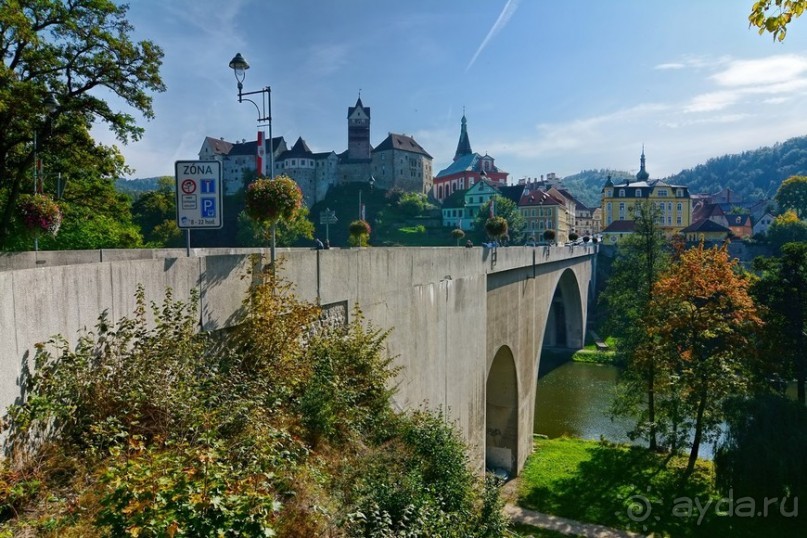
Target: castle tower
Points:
(358, 132)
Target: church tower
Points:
(464, 144)
(358, 132)
(642, 175)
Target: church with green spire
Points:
(467, 169)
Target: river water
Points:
(574, 399)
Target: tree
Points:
(792, 194)
(288, 232)
(641, 257)
(701, 323)
(508, 210)
(156, 212)
(68, 50)
(774, 16)
(786, 228)
(782, 289)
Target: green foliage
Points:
(763, 452)
(782, 289)
(278, 426)
(288, 232)
(156, 212)
(774, 16)
(458, 234)
(506, 209)
(786, 228)
(549, 235)
(792, 194)
(413, 204)
(68, 50)
(640, 258)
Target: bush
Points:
(573, 236)
(549, 235)
(359, 233)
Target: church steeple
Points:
(642, 175)
(464, 145)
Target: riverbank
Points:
(631, 488)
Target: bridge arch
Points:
(501, 412)
(565, 321)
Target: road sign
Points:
(328, 216)
(199, 196)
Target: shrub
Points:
(573, 236)
(549, 235)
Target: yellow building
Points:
(620, 200)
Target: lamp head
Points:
(50, 103)
(371, 181)
(239, 66)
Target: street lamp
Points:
(239, 66)
(370, 182)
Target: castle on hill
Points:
(398, 161)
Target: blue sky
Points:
(546, 86)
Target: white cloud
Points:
(763, 71)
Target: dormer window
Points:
(621, 193)
(679, 193)
(638, 193)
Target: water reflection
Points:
(575, 398)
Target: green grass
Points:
(599, 482)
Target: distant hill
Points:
(587, 185)
(137, 187)
(753, 175)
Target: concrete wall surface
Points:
(448, 309)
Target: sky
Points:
(545, 86)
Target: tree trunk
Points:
(696, 441)
(651, 406)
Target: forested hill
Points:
(586, 186)
(754, 174)
(137, 187)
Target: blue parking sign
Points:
(208, 208)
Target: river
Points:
(574, 399)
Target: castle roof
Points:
(401, 143)
(359, 104)
(299, 149)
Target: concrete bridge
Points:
(467, 325)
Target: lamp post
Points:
(50, 104)
(371, 182)
(239, 66)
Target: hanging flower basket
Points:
(39, 213)
(496, 227)
(268, 200)
(359, 227)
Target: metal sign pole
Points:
(188, 242)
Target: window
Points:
(663, 192)
(679, 207)
(678, 220)
(679, 193)
(621, 210)
(638, 193)
(621, 193)
(609, 193)
(669, 207)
